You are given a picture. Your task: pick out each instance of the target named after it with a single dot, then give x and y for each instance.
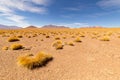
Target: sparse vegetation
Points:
(57, 38)
(5, 48)
(118, 36)
(64, 37)
(71, 43)
(47, 36)
(13, 39)
(78, 39)
(87, 45)
(105, 38)
(58, 45)
(19, 36)
(31, 61)
(82, 35)
(73, 36)
(42, 40)
(16, 46)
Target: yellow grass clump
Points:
(28, 36)
(4, 35)
(78, 40)
(19, 36)
(16, 46)
(71, 43)
(13, 39)
(31, 61)
(72, 36)
(58, 45)
(95, 33)
(47, 36)
(57, 38)
(95, 36)
(82, 35)
(118, 36)
(64, 37)
(5, 48)
(42, 39)
(105, 38)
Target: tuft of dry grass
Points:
(95, 33)
(64, 37)
(4, 35)
(5, 48)
(94, 36)
(57, 38)
(105, 38)
(58, 44)
(16, 46)
(42, 39)
(47, 36)
(28, 36)
(118, 36)
(31, 61)
(72, 36)
(71, 43)
(82, 35)
(78, 40)
(19, 36)
(13, 39)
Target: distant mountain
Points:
(31, 27)
(54, 26)
(93, 27)
(8, 27)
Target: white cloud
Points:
(41, 2)
(8, 9)
(16, 18)
(109, 4)
(24, 5)
(75, 25)
(73, 9)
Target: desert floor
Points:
(91, 59)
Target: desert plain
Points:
(78, 54)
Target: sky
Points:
(72, 13)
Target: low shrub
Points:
(47, 36)
(58, 45)
(105, 38)
(78, 40)
(57, 38)
(16, 46)
(5, 48)
(13, 39)
(31, 61)
(71, 43)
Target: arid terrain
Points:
(78, 54)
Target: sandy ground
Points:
(91, 59)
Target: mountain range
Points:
(54, 26)
(8, 27)
(46, 26)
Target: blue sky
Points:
(72, 13)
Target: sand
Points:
(91, 59)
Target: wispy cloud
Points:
(8, 9)
(109, 4)
(100, 14)
(73, 9)
(74, 25)
(41, 2)
(24, 5)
